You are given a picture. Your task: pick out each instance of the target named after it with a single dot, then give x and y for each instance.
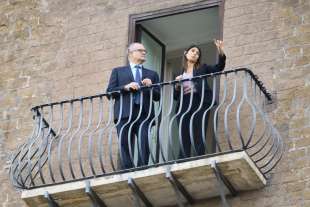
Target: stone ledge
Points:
(197, 176)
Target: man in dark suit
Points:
(133, 107)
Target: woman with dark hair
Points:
(193, 95)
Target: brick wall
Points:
(55, 50)
(272, 38)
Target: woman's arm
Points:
(206, 69)
(177, 88)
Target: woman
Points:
(193, 89)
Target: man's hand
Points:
(146, 82)
(133, 85)
(219, 45)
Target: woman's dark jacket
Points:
(202, 70)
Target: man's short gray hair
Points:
(130, 48)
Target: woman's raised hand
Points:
(219, 45)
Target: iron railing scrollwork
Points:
(76, 139)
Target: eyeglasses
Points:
(139, 50)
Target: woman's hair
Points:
(184, 62)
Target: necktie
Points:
(137, 75)
(138, 80)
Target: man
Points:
(132, 105)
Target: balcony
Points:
(72, 157)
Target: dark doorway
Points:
(166, 33)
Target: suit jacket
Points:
(120, 77)
(202, 70)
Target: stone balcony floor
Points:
(197, 177)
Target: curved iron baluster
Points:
(20, 156)
(262, 156)
(261, 136)
(122, 129)
(15, 165)
(90, 117)
(262, 146)
(204, 130)
(130, 130)
(263, 132)
(227, 110)
(140, 127)
(90, 138)
(47, 135)
(80, 124)
(110, 137)
(50, 170)
(215, 117)
(30, 156)
(166, 118)
(252, 128)
(149, 131)
(35, 154)
(181, 120)
(274, 145)
(191, 130)
(153, 120)
(238, 118)
(101, 131)
(174, 117)
(279, 148)
(59, 148)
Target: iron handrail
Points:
(259, 83)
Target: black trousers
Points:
(185, 124)
(130, 133)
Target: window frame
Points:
(134, 19)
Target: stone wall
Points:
(272, 38)
(56, 50)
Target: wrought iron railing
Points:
(76, 139)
